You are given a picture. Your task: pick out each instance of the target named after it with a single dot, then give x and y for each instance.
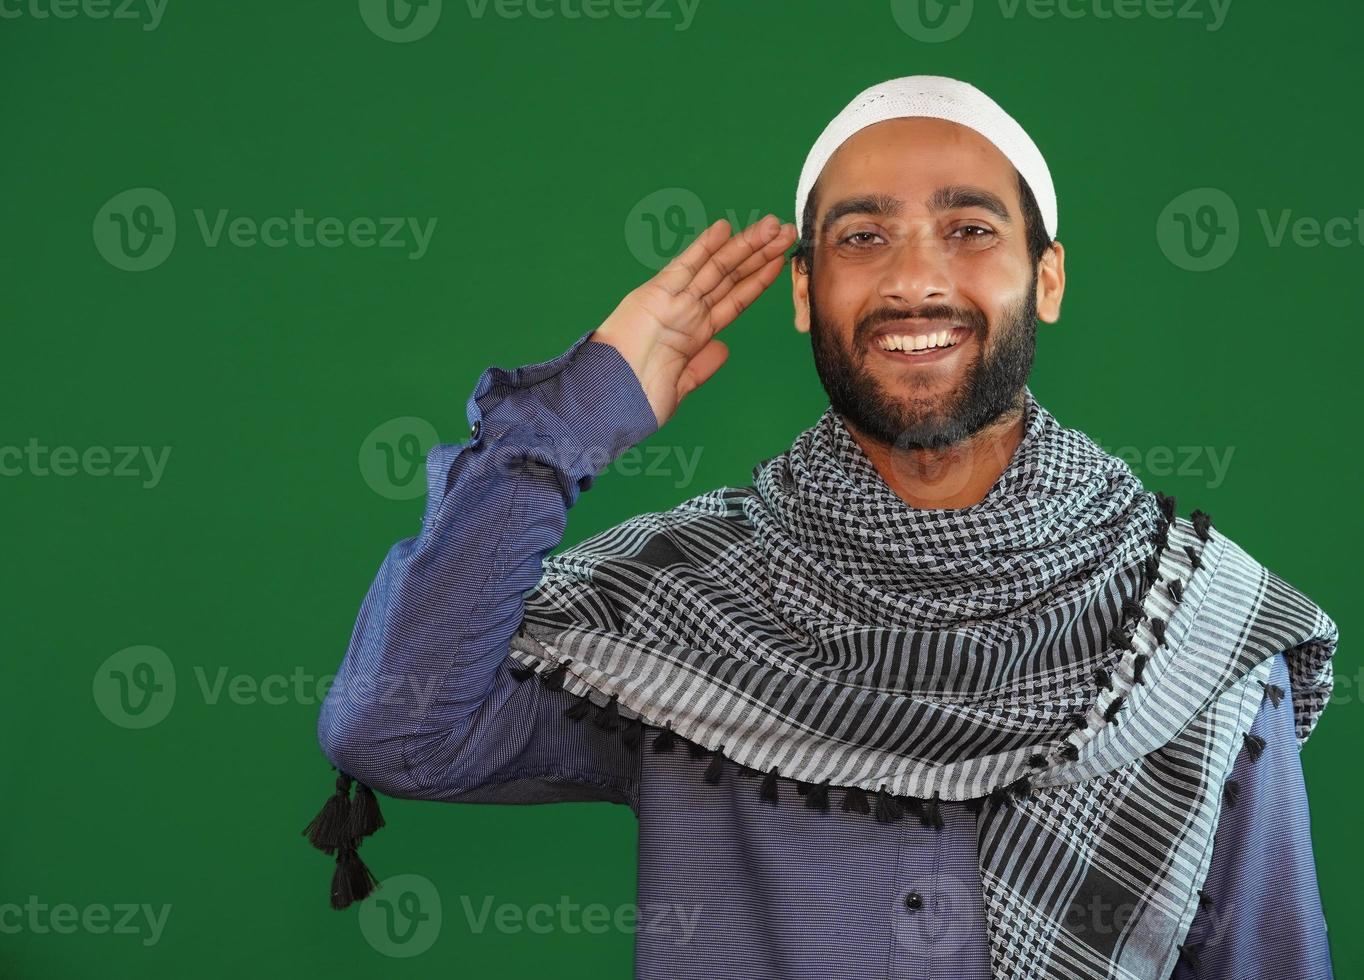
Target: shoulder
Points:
(1255, 615)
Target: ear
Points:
(1051, 283)
(800, 297)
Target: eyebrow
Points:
(951, 198)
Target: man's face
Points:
(919, 243)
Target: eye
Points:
(857, 235)
(984, 231)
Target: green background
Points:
(531, 141)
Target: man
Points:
(1003, 712)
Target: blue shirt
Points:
(755, 891)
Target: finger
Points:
(736, 251)
(753, 263)
(688, 263)
(700, 368)
(724, 313)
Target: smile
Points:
(919, 345)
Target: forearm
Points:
(436, 622)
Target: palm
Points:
(665, 329)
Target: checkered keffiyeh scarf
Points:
(1067, 651)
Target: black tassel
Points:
(1232, 791)
(351, 881)
(1254, 745)
(1195, 562)
(1176, 588)
(888, 809)
(1204, 899)
(696, 750)
(1167, 505)
(1119, 638)
(1161, 537)
(1101, 678)
(554, 680)
(1189, 954)
(608, 715)
(1274, 691)
(665, 740)
(855, 800)
(522, 672)
(818, 797)
(999, 796)
(631, 730)
(716, 767)
(1138, 667)
(1037, 760)
(1158, 630)
(768, 789)
(1132, 611)
(1153, 568)
(579, 709)
(1111, 711)
(932, 816)
(1078, 719)
(1202, 523)
(802, 787)
(328, 829)
(365, 817)
(1021, 787)
(1070, 752)
(975, 804)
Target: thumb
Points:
(699, 369)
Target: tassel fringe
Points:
(338, 829)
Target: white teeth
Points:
(916, 342)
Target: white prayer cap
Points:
(939, 98)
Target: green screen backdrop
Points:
(255, 255)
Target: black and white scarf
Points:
(1068, 656)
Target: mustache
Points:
(973, 320)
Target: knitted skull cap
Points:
(936, 97)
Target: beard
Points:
(991, 386)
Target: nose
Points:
(917, 271)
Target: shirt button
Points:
(474, 430)
(914, 901)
